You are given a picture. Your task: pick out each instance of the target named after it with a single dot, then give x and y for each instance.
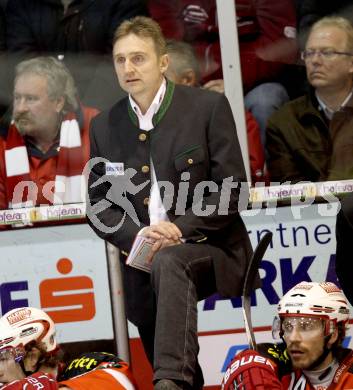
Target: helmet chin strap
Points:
(28, 373)
(22, 364)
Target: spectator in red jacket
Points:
(45, 148)
(184, 69)
(267, 31)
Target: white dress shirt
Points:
(327, 110)
(156, 208)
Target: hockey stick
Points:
(251, 272)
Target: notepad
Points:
(140, 252)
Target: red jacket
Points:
(266, 31)
(43, 170)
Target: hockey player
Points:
(31, 359)
(312, 319)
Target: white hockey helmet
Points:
(312, 299)
(19, 327)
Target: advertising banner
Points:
(62, 270)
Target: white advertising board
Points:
(62, 270)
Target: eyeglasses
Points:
(328, 54)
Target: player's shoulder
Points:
(278, 353)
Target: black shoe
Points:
(166, 384)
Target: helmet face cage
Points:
(277, 326)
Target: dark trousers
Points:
(181, 276)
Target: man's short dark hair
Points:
(144, 27)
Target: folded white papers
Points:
(139, 254)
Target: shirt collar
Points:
(323, 377)
(155, 105)
(327, 110)
(34, 151)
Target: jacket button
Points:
(146, 201)
(190, 161)
(145, 169)
(142, 137)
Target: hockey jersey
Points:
(38, 380)
(103, 377)
(343, 378)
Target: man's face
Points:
(34, 112)
(304, 337)
(327, 73)
(138, 66)
(10, 370)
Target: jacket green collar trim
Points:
(167, 100)
(165, 104)
(132, 114)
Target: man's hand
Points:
(164, 233)
(162, 243)
(194, 14)
(251, 371)
(163, 229)
(215, 85)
